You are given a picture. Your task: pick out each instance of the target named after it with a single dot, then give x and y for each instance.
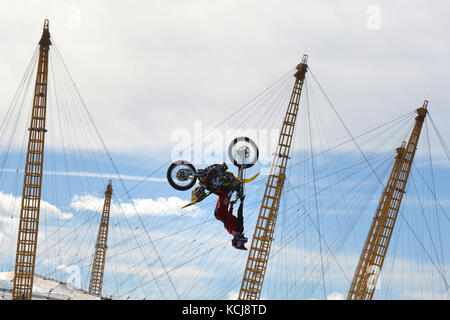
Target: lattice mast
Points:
(265, 226)
(375, 248)
(31, 194)
(98, 264)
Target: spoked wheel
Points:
(243, 152)
(180, 175)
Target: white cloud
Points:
(156, 207)
(232, 295)
(93, 175)
(429, 295)
(50, 209)
(335, 296)
(10, 211)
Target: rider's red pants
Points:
(222, 213)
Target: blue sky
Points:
(158, 76)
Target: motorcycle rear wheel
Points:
(178, 177)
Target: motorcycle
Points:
(243, 153)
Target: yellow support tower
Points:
(375, 248)
(31, 195)
(265, 226)
(98, 265)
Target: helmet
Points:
(198, 194)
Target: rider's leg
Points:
(223, 214)
(223, 202)
(239, 239)
(240, 219)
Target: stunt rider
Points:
(223, 183)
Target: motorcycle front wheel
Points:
(243, 152)
(180, 175)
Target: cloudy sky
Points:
(151, 72)
(143, 66)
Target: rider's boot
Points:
(242, 237)
(239, 241)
